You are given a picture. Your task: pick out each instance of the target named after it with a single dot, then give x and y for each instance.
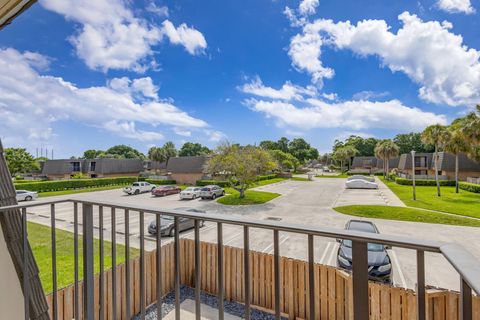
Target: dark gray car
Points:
(167, 227)
(379, 264)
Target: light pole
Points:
(413, 174)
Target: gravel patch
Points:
(231, 307)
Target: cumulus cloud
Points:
(308, 7)
(447, 71)
(288, 91)
(298, 17)
(31, 103)
(112, 37)
(190, 38)
(161, 11)
(456, 6)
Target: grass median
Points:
(406, 214)
(74, 191)
(40, 241)
(251, 197)
(463, 203)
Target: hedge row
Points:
(423, 182)
(160, 182)
(364, 173)
(57, 185)
(266, 177)
(219, 183)
(469, 187)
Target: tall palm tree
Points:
(350, 152)
(456, 144)
(386, 150)
(470, 127)
(435, 135)
(340, 155)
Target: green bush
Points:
(266, 177)
(161, 182)
(422, 182)
(469, 187)
(219, 183)
(57, 185)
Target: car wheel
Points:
(214, 196)
(223, 193)
(28, 198)
(194, 197)
(203, 198)
(172, 232)
(136, 192)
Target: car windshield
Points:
(206, 189)
(371, 246)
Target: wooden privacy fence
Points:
(333, 287)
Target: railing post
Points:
(198, 269)
(246, 270)
(220, 281)
(466, 301)
(276, 268)
(177, 267)
(360, 280)
(421, 307)
(88, 271)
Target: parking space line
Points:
(279, 244)
(232, 239)
(393, 257)
(325, 252)
(332, 254)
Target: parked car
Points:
(361, 177)
(163, 191)
(190, 193)
(379, 263)
(139, 187)
(211, 192)
(167, 227)
(25, 195)
(360, 184)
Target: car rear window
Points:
(361, 226)
(135, 184)
(205, 189)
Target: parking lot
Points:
(308, 203)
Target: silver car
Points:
(167, 223)
(25, 195)
(211, 192)
(190, 193)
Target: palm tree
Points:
(350, 152)
(386, 150)
(340, 155)
(470, 127)
(455, 144)
(435, 135)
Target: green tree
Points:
(412, 141)
(269, 145)
(455, 143)
(302, 150)
(285, 161)
(193, 149)
(435, 135)
(470, 126)
(364, 146)
(283, 144)
(386, 150)
(156, 154)
(241, 164)
(92, 154)
(124, 151)
(344, 154)
(20, 161)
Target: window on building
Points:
(75, 166)
(92, 166)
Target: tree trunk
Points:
(388, 166)
(11, 222)
(456, 172)
(436, 171)
(242, 193)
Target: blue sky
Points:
(86, 74)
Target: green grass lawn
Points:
(267, 182)
(73, 191)
(40, 241)
(342, 175)
(406, 214)
(463, 203)
(300, 179)
(251, 197)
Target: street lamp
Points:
(413, 174)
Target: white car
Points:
(139, 187)
(361, 177)
(360, 184)
(190, 193)
(25, 195)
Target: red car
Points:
(165, 191)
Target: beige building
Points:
(187, 170)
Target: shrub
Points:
(423, 182)
(266, 177)
(469, 187)
(161, 182)
(57, 185)
(219, 183)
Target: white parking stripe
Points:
(279, 244)
(232, 239)
(393, 257)
(325, 253)
(331, 260)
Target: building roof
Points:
(152, 165)
(446, 162)
(364, 162)
(187, 164)
(102, 166)
(405, 161)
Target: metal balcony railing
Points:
(463, 262)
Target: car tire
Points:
(203, 198)
(194, 197)
(214, 196)
(136, 192)
(223, 193)
(172, 232)
(28, 198)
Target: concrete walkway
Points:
(390, 198)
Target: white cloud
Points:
(456, 6)
(308, 7)
(182, 132)
(288, 91)
(30, 103)
(369, 95)
(112, 37)
(447, 70)
(354, 115)
(215, 136)
(161, 11)
(192, 39)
